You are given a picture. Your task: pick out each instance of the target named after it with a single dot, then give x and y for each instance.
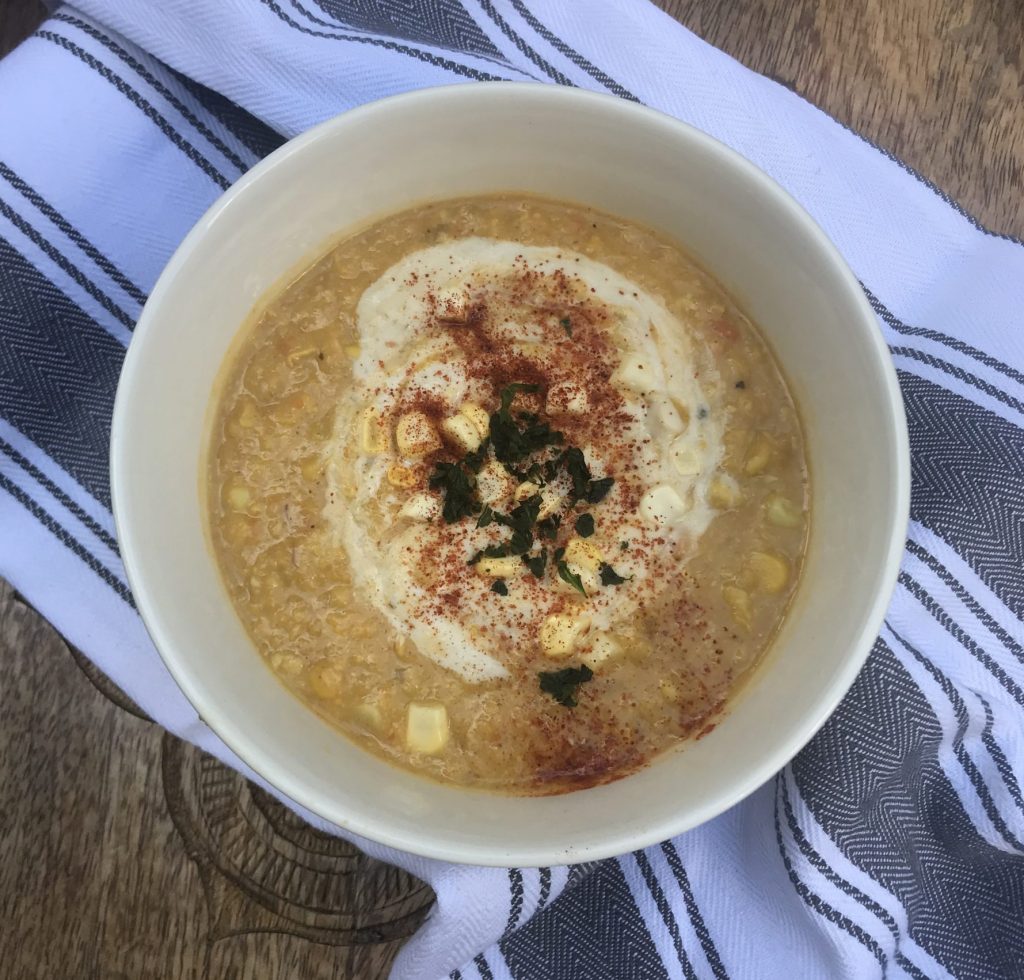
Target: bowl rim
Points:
(533, 854)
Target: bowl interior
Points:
(579, 147)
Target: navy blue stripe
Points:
(893, 321)
(668, 848)
(967, 483)
(67, 539)
(465, 37)
(545, 888)
(574, 56)
(58, 373)
(515, 904)
(136, 99)
(64, 263)
(33, 197)
(453, 66)
(55, 491)
(873, 781)
(593, 931)
(957, 631)
(146, 75)
(818, 904)
(665, 911)
(962, 756)
(804, 845)
(553, 73)
(455, 975)
(994, 750)
(481, 964)
(960, 374)
(966, 598)
(256, 135)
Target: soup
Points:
(509, 491)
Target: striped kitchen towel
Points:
(894, 844)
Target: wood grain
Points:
(940, 85)
(127, 854)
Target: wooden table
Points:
(127, 854)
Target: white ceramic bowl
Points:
(561, 143)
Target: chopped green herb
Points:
(486, 516)
(537, 563)
(499, 586)
(459, 491)
(563, 685)
(702, 412)
(566, 325)
(585, 525)
(571, 578)
(598, 489)
(624, 545)
(512, 443)
(534, 474)
(557, 554)
(579, 472)
(552, 465)
(548, 528)
(611, 577)
(476, 459)
(741, 384)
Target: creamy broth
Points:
(508, 490)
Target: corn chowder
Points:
(508, 490)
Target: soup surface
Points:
(508, 490)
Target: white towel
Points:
(893, 844)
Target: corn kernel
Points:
(426, 728)
(669, 691)
(373, 433)
(479, 417)
(403, 477)
(723, 493)
(499, 567)
(525, 491)
(560, 633)
(782, 512)
(759, 455)
(239, 497)
(738, 602)
(326, 679)
(602, 648)
(662, 505)
(422, 506)
(583, 553)
(771, 572)
(461, 432)
(416, 435)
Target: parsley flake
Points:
(611, 577)
(571, 578)
(563, 685)
(598, 489)
(513, 444)
(548, 528)
(475, 460)
(499, 586)
(459, 491)
(566, 325)
(537, 563)
(486, 516)
(585, 525)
